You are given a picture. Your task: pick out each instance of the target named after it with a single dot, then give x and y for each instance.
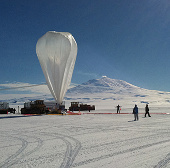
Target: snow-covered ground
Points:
(90, 140)
(86, 141)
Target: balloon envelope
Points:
(57, 53)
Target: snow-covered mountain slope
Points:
(102, 85)
(105, 93)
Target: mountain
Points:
(102, 85)
(105, 93)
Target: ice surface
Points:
(86, 141)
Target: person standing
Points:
(135, 112)
(147, 110)
(118, 108)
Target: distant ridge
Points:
(104, 93)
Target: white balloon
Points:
(57, 53)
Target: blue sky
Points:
(121, 39)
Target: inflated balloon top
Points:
(57, 53)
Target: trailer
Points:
(76, 106)
(54, 108)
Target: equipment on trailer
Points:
(34, 107)
(5, 109)
(54, 108)
(75, 106)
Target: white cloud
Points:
(18, 90)
(19, 86)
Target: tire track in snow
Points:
(119, 153)
(75, 152)
(71, 151)
(15, 158)
(67, 156)
(142, 138)
(164, 162)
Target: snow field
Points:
(88, 140)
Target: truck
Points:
(34, 107)
(41, 107)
